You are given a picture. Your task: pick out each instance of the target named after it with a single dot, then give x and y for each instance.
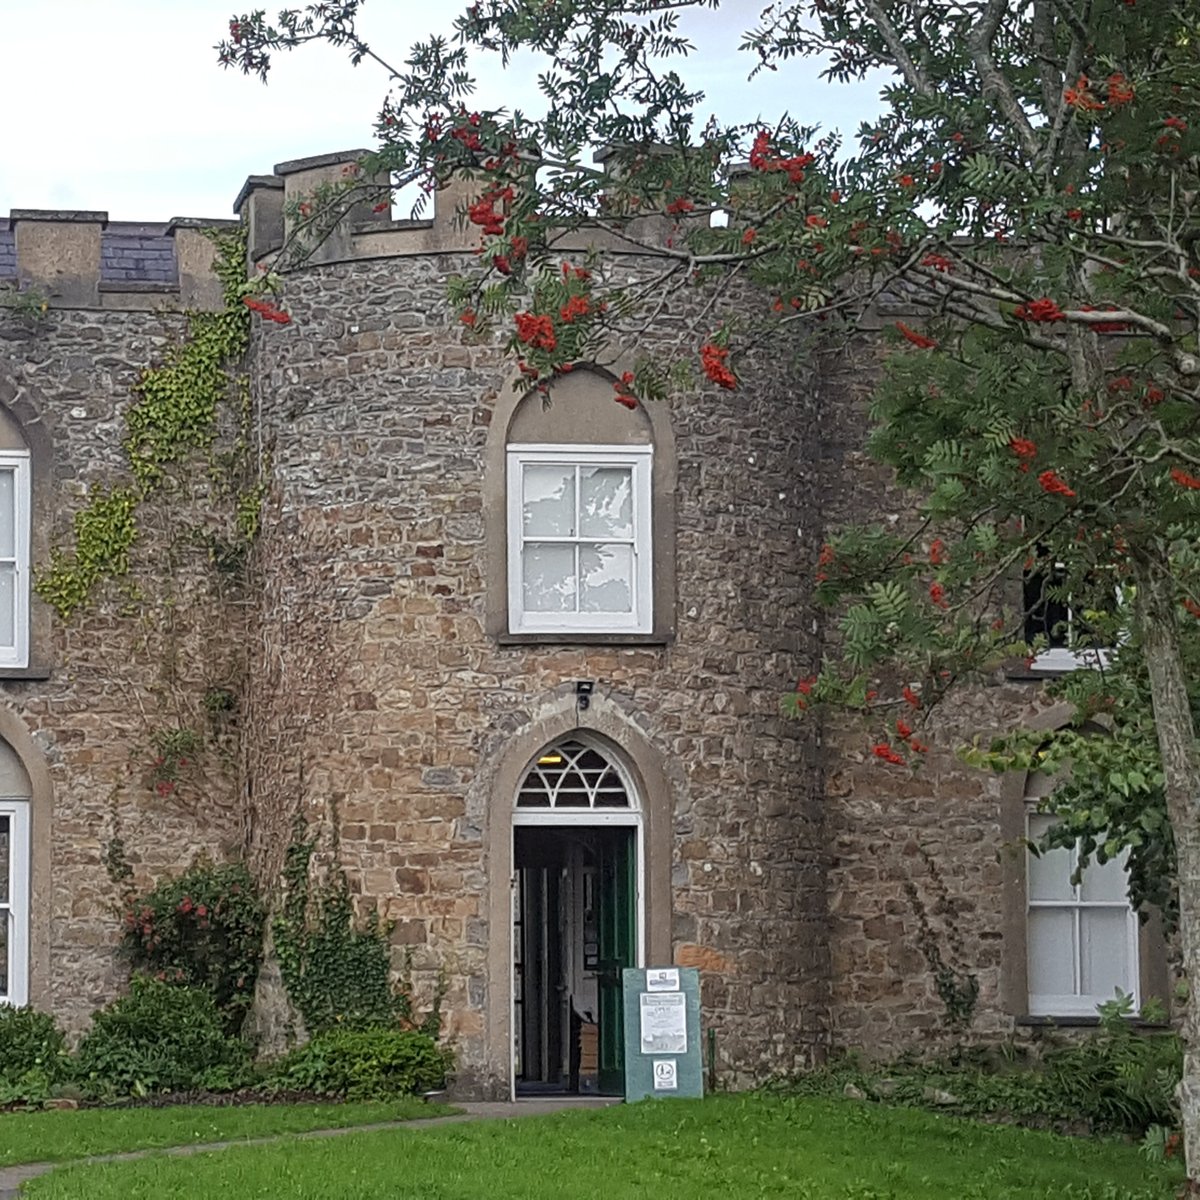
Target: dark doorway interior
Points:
(575, 928)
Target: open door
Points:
(617, 936)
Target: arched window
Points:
(15, 792)
(576, 775)
(580, 517)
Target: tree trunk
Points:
(1155, 608)
(273, 1024)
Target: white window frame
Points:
(17, 655)
(15, 912)
(1078, 1004)
(1054, 660)
(640, 459)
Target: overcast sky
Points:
(120, 105)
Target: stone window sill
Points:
(1030, 1021)
(34, 673)
(567, 638)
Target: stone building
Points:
(523, 659)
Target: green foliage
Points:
(174, 415)
(365, 1064)
(1033, 166)
(29, 303)
(336, 971)
(177, 401)
(105, 531)
(33, 1055)
(203, 929)
(160, 1037)
(1117, 1080)
(1108, 796)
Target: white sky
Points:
(119, 105)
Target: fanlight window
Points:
(572, 775)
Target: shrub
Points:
(33, 1056)
(362, 1064)
(31, 1041)
(160, 1037)
(1121, 1080)
(203, 929)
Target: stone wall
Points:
(99, 686)
(884, 824)
(378, 411)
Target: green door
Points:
(617, 937)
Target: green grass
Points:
(62, 1135)
(729, 1148)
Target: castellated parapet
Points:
(82, 260)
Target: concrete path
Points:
(11, 1178)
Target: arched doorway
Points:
(578, 915)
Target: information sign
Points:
(662, 1032)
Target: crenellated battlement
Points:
(266, 202)
(83, 260)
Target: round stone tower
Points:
(524, 656)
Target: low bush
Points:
(362, 1064)
(1121, 1080)
(160, 1037)
(31, 1041)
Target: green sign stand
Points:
(662, 1033)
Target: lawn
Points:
(59, 1136)
(728, 1148)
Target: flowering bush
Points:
(203, 929)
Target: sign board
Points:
(662, 1032)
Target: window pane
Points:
(606, 502)
(1107, 882)
(548, 577)
(5, 858)
(1046, 616)
(1052, 952)
(548, 501)
(5, 921)
(8, 604)
(606, 577)
(8, 500)
(1050, 871)
(1105, 934)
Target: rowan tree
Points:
(1030, 191)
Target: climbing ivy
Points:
(175, 414)
(104, 534)
(336, 971)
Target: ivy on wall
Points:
(337, 972)
(175, 415)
